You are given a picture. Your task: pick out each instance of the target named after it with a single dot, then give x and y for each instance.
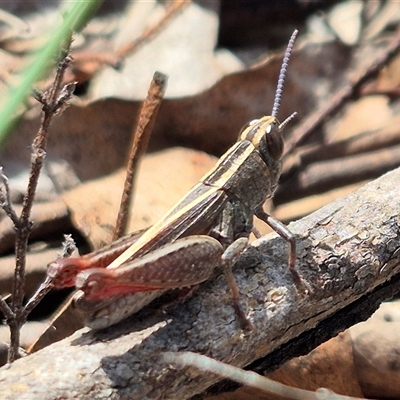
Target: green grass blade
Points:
(74, 18)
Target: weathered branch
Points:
(348, 251)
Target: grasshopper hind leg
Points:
(228, 259)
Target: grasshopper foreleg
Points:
(284, 232)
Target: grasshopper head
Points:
(265, 135)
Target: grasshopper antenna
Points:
(282, 75)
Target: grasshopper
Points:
(210, 226)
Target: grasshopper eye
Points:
(271, 142)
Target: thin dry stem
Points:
(141, 137)
(54, 101)
(36, 298)
(5, 309)
(5, 202)
(68, 248)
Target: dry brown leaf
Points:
(388, 78)
(330, 366)
(376, 352)
(365, 115)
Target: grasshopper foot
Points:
(303, 287)
(228, 258)
(245, 323)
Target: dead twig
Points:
(68, 248)
(54, 102)
(141, 135)
(5, 202)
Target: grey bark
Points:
(348, 251)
